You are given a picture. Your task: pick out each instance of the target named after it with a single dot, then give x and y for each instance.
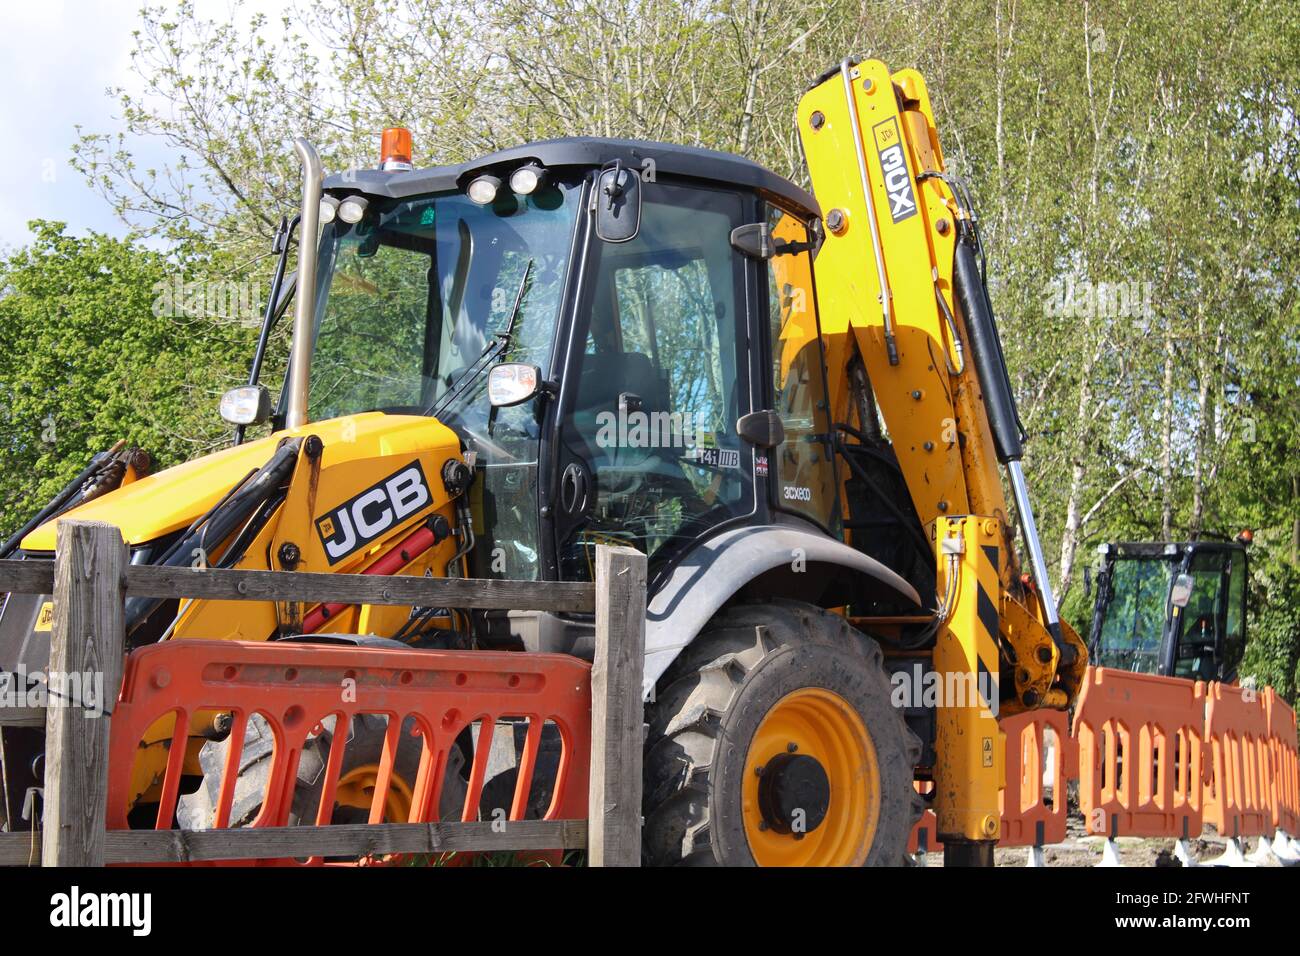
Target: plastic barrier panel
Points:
(1238, 786)
(925, 835)
(1141, 751)
(308, 733)
(1286, 763)
(1041, 758)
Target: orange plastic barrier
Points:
(1238, 787)
(1286, 763)
(1036, 741)
(1140, 750)
(925, 835)
(1031, 814)
(434, 695)
(1154, 757)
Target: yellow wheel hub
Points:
(811, 748)
(357, 789)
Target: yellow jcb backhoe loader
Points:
(795, 406)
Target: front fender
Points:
(801, 561)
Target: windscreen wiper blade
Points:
(498, 346)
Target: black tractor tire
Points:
(710, 704)
(366, 732)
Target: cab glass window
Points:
(1134, 619)
(661, 381)
(802, 467)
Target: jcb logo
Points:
(893, 165)
(362, 519)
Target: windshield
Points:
(410, 299)
(1134, 617)
(411, 296)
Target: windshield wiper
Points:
(497, 347)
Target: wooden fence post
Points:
(617, 716)
(86, 647)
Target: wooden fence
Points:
(90, 579)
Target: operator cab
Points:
(1171, 609)
(578, 312)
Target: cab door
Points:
(657, 374)
(802, 470)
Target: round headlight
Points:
(484, 189)
(353, 208)
(527, 179)
(329, 207)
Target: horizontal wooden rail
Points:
(344, 840)
(37, 577)
(26, 577)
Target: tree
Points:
(97, 345)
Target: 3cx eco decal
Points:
(365, 517)
(893, 165)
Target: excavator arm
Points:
(906, 319)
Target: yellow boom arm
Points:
(898, 289)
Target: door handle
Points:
(574, 490)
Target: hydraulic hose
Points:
(223, 521)
(64, 499)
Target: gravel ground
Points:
(1080, 850)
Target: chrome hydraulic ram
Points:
(1008, 440)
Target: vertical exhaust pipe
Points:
(304, 307)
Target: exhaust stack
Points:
(304, 308)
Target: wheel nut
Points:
(791, 747)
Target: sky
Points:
(60, 56)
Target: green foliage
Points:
(1273, 632)
(85, 361)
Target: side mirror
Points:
(618, 203)
(1180, 595)
(511, 383)
(763, 429)
(246, 405)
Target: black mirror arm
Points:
(614, 188)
